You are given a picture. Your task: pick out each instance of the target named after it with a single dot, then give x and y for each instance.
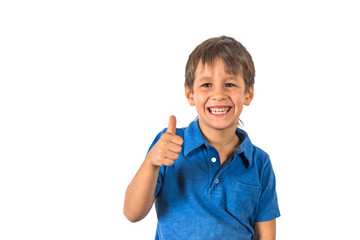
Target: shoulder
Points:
(260, 155)
(263, 164)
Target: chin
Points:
(219, 125)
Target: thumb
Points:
(172, 125)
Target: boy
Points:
(207, 180)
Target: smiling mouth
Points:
(219, 110)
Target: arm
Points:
(268, 206)
(265, 230)
(139, 196)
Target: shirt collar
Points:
(193, 139)
(246, 148)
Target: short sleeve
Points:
(162, 169)
(268, 208)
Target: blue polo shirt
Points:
(197, 198)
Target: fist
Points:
(167, 149)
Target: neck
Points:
(220, 138)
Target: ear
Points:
(189, 96)
(249, 95)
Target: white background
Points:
(86, 85)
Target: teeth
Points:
(219, 110)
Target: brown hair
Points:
(236, 58)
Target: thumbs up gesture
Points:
(167, 149)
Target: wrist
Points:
(149, 164)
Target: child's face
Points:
(219, 97)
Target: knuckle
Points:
(179, 141)
(179, 148)
(166, 135)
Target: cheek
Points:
(200, 103)
(199, 98)
(239, 102)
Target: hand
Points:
(167, 149)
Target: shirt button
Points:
(217, 181)
(213, 159)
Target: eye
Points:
(230, 85)
(206, 85)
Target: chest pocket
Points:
(243, 200)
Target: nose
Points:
(218, 93)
